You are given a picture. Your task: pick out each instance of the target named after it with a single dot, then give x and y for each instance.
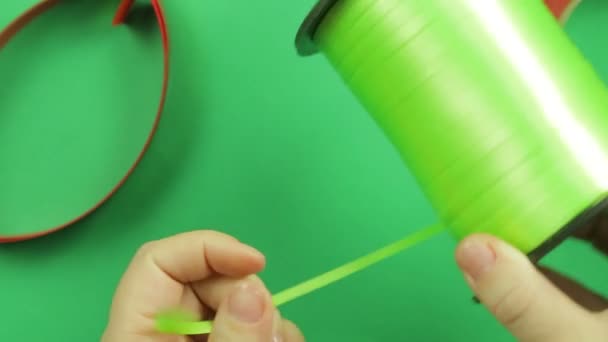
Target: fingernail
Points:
(246, 304)
(277, 327)
(476, 258)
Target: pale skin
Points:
(535, 305)
(207, 273)
(214, 275)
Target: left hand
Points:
(207, 273)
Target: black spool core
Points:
(305, 39)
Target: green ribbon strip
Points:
(182, 323)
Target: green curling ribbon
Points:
(492, 107)
(183, 323)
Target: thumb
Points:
(246, 315)
(517, 294)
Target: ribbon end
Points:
(122, 12)
(562, 9)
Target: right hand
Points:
(535, 305)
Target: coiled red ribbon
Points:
(562, 9)
(121, 14)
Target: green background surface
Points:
(256, 142)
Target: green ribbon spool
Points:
(492, 107)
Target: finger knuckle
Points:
(147, 249)
(513, 307)
(255, 280)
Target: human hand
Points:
(207, 273)
(535, 304)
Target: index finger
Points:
(196, 255)
(157, 274)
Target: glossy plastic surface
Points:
(493, 108)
